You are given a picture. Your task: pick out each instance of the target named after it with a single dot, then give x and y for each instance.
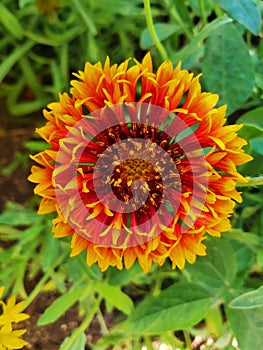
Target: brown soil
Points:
(51, 336)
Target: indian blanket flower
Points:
(151, 141)
(11, 313)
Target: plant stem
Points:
(252, 181)
(202, 11)
(148, 343)
(43, 280)
(102, 323)
(214, 321)
(179, 20)
(149, 20)
(187, 338)
(83, 326)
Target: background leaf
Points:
(217, 271)
(243, 11)
(177, 307)
(232, 77)
(115, 296)
(61, 305)
(78, 344)
(245, 314)
(253, 117)
(163, 31)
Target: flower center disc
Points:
(130, 170)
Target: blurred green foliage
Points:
(42, 43)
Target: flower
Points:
(9, 338)
(124, 123)
(11, 311)
(47, 7)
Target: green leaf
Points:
(10, 22)
(61, 305)
(124, 277)
(16, 215)
(177, 307)
(250, 131)
(205, 274)
(23, 3)
(83, 13)
(35, 146)
(232, 77)
(199, 38)
(253, 117)
(195, 4)
(51, 252)
(257, 145)
(14, 56)
(245, 315)
(249, 239)
(78, 343)
(218, 269)
(115, 296)
(163, 31)
(221, 254)
(243, 11)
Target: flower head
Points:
(141, 165)
(11, 313)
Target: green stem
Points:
(214, 321)
(149, 20)
(85, 16)
(202, 10)
(252, 181)
(179, 20)
(148, 343)
(83, 326)
(43, 280)
(187, 338)
(102, 323)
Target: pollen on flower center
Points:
(127, 172)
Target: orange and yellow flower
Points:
(204, 151)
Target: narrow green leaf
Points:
(17, 215)
(163, 31)
(232, 77)
(190, 48)
(85, 16)
(14, 56)
(245, 315)
(23, 3)
(10, 22)
(61, 305)
(51, 252)
(115, 296)
(78, 344)
(245, 12)
(23, 108)
(179, 306)
(35, 146)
